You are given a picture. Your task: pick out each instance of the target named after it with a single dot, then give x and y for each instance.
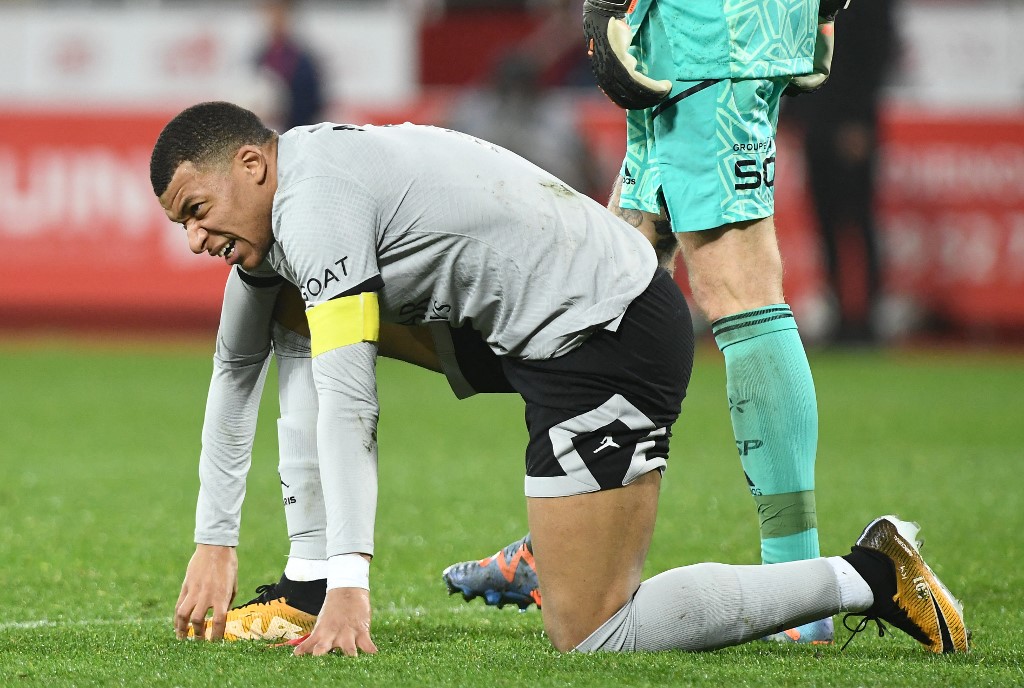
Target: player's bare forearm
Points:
(211, 582)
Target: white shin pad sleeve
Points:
(296, 432)
(708, 606)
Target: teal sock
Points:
(775, 422)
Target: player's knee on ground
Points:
(589, 558)
(709, 606)
(677, 609)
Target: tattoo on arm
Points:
(633, 217)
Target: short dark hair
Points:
(200, 134)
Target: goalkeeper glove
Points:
(823, 43)
(608, 38)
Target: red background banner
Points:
(86, 244)
(85, 241)
(953, 212)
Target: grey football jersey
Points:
(444, 226)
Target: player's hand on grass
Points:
(211, 582)
(343, 624)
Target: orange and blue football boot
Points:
(509, 576)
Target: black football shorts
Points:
(600, 416)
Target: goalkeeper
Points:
(701, 81)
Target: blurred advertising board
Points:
(100, 56)
(85, 242)
(84, 238)
(950, 217)
(952, 208)
(85, 91)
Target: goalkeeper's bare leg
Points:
(657, 228)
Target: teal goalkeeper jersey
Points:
(732, 39)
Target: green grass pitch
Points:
(99, 448)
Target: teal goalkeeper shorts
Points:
(707, 151)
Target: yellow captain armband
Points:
(343, 321)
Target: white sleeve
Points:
(229, 426)
(326, 227)
(347, 443)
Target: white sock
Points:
(708, 606)
(305, 569)
(854, 593)
(301, 489)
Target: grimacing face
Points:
(225, 209)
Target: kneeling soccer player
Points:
(372, 223)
